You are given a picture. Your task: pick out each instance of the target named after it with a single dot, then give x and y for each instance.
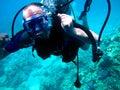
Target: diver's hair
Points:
(34, 3)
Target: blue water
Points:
(21, 71)
(96, 15)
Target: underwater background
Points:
(21, 71)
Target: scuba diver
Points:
(55, 33)
(62, 38)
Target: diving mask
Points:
(36, 24)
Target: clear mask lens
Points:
(36, 23)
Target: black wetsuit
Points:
(57, 44)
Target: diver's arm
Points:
(3, 53)
(79, 34)
(20, 40)
(67, 24)
(4, 39)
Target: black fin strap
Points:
(86, 9)
(87, 5)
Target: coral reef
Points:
(19, 71)
(109, 67)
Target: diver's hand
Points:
(4, 39)
(66, 22)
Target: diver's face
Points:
(35, 22)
